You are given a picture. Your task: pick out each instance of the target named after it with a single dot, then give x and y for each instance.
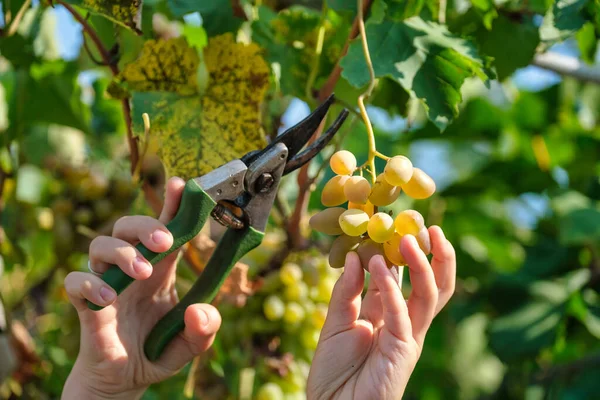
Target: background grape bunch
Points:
(362, 227)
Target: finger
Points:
(151, 232)
(344, 306)
(173, 192)
(395, 312)
(423, 298)
(202, 321)
(106, 251)
(82, 286)
(371, 307)
(443, 265)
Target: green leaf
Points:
(399, 10)
(424, 58)
(580, 226)
(217, 15)
(511, 44)
(588, 42)
(343, 5)
(49, 94)
(126, 13)
(562, 20)
(391, 96)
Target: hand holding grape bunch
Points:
(369, 346)
(360, 227)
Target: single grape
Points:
(325, 287)
(318, 316)
(327, 221)
(354, 222)
(420, 186)
(340, 247)
(294, 313)
(290, 273)
(368, 207)
(367, 249)
(295, 292)
(382, 193)
(409, 222)
(83, 216)
(398, 170)
(342, 162)
(273, 308)
(380, 227)
(45, 218)
(333, 191)
(357, 189)
(424, 240)
(309, 338)
(270, 391)
(391, 248)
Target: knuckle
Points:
(125, 254)
(121, 223)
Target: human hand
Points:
(369, 347)
(111, 361)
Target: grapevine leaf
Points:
(195, 134)
(562, 20)
(48, 93)
(499, 43)
(217, 15)
(343, 5)
(123, 12)
(486, 9)
(280, 34)
(163, 65)
(588, 42)
(399, 10)
(424, 58)
(580, 226)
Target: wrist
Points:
(84, 385)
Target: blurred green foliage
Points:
(517, 171)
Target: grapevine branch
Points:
(15, 22)
(568, 66)
(565, 370)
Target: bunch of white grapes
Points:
(359, 226)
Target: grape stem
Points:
(318, 51)
(361, 99)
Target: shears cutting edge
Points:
(239, 195)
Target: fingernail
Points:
(140, 265)
(107, 294)
(160, 237)
(203, 318)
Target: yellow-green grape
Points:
(273, 308)
(296, 291)
(391, 249)
(380, 227)
(83, 216)
(409, 222)
(290, 273)
(270, 391)
(341, 246)
(324, 289)
(327, 221)
(354, 222)
(294, 313)
(368, 207)
(367, 249)
(333, 191)
(318, 316)
(309, 338)
(424, 240)
(103, 208)
(45, 218)
(357, 189)
(420, 186)
(398, 170)
(342, 162)
(382, 193)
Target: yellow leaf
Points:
(124, 12)
(196, 134)
(163, 65)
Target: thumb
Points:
(202, 321)
(344, 306)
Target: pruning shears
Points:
(239, 195)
